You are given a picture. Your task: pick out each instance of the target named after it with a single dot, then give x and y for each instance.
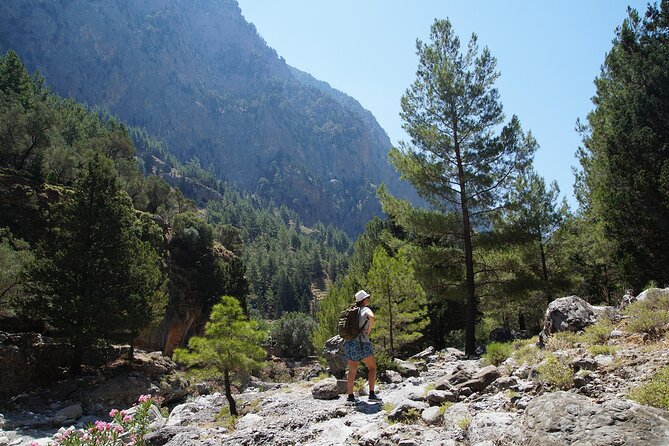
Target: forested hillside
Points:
(198, 76)
(83, 211)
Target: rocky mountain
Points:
(196, 74)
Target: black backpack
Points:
(347, 326)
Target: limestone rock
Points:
(488, 426)
(564, 418)
(404, 410)
(72, 412)
(432, 415)
(481, 379)
(333, 351)
(439, 397)
(424, 354)
(325, 390)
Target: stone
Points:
(425, 354)
(405, 409)
(326, 389)
(488, 426)
(568, 418)
(182, 413)
(569, 313)
(606, 312)
(454, 415)
(439, 397)
(342, 386)
(248, 420)
(505, 382)
(393, 377)
(72, 412)
(481, 379)
(584, 364)
(459, 354)
(333, 351)
(407, 369)
(432, 415)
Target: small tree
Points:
(291, 335)
(401, 301)
(231, 343)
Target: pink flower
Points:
(144, 398)
(118, 429)
(34, 443)
(127, 418)
(113, 412)
(102, 426)
(122, 413)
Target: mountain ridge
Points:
(200, 77)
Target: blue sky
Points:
(548, 54)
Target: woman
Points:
(360, 349)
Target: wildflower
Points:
(144, 398)
(127, 418)
(113, 412)
(118, 428)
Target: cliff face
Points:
(196, 74)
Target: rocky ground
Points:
(439, 398)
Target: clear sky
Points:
(548, 54)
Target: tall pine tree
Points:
(459, 158)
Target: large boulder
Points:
(481, 379)
(326, 389)
(569, 313)
(333, 351)
(564, 418)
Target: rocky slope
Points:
(197, 75)
(439, 398)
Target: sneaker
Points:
(373, 397)
(351, 399)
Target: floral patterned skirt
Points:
(355, 350)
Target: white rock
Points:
(431, 415)
(248, 420)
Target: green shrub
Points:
(291, 335)
(555, 373)
(562, 340)
(528, 354)
(602, 350)
(464, 423)
(599, 333)
(444, 407)
(411, 416)
(650, 315)
(497, 352)
(654, 392)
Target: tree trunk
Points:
(470, 321)
(544, 271)
(390, 324)
(75, 365)
(228, 393)
(131, 352)
(521, 320)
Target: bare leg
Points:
(350, 379)
(370, 362)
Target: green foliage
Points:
(456, 160)
(15, 256)
(464, 423)
(497, 352)
(654, 392)
(528, 354)
(625, 158)
(599, 349)
(400, 300)
(444, 407)
(650, 316)
(291, 335)
(95, 279)
(598, 333)
(231, 344)
(226, 419)
(555, 373)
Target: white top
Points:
(365, 313)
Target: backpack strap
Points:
(361, 328)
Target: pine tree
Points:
(456, 159)
(93, 272)
(231, 344)
(401, 302)
(625, 180)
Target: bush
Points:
(599, 333)
(650, 315)
(602, 350)
(528, 354)
(291, 335)
(654, 392)
(555, 373)
(497, 352)
(562, 340)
